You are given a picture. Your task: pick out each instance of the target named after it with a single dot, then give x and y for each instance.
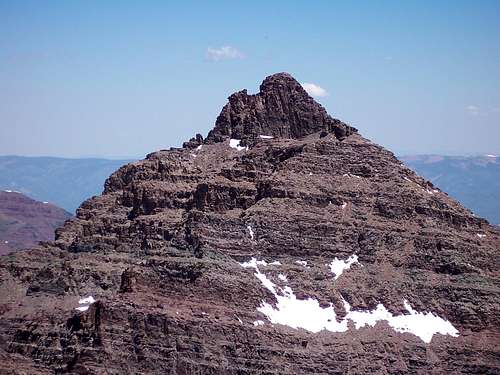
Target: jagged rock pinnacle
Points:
(282, 108)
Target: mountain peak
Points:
(278, 80)
(282, 108)
(305, 250)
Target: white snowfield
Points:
(266, 136)
(309, 315)
(235, 143)
(423, 325)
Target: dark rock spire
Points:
(282, 108)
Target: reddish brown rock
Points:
(160, 252)
(24, 222)
(282, 108)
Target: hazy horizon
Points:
(94, 79)
(129, 158)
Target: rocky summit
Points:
(282, 243)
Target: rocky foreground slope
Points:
(24, 221)
(283, 243)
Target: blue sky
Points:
(124, 78)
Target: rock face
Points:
(24, 222)
(311, 252)
(282, 108)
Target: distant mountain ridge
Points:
(472, 180)
(24, 222)
(64, 182)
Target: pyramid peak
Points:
(282, 108)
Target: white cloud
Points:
(224, 53)
(472, 110)
(314, 90)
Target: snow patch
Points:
(302, 263)
(253, 263)
(250, 231)
(85, 302)
(235, 143)
(422, 325)
(351, 175)
(239, 320)
(282, 277)
(193, 155)
(309, 315)
(293, 312)
(491, 156)
(338, 266)
(258, 323)
(480, 235)
(199, 147)
(45, 202)
(431, 191)
(266, 136)
(344, 205)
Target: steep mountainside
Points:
(24, 222)
(65, 182)
(283, 243)
(473, 180)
